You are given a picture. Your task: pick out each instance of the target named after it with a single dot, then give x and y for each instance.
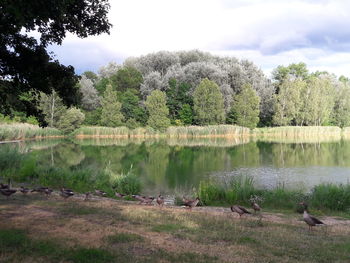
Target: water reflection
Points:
(169, 165)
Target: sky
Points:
(266, 32)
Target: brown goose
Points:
(239, 210)
(192, 203)
(100, 193)
(24, 190)
(4, 186)
(119, 195)
(309, 219)
(256, 207)
(143, 199)
(65, 193)
(160, 200)
(87, 196)
(7, 192)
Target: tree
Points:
(186, 114)
(341, 111)
(25, 64)
(153, 81)
(288, 102)
(131, 108)
(127, 78)
(91, 76)
(158, 111)
(90, 99)
(52, 108)
(208, 103)
(71, 120)
(246, 107)
(111, 115)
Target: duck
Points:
(100, 193)
(24, 190)
(119, 195)
(239, 210)
(160, 200)
(87, 196)
(192, 203)
(4, 186)
(43, 190)
(256, 207)
(139, 198)
(309, 219)
(65, 193)
(143, 199)
(7, 192)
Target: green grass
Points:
(91, 255)
(124, 238)
(20, 131)
(324, 197)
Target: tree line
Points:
(198, 88)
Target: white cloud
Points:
(270, 32)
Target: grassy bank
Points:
(22, 131)
(101, 231)
(171, 132)
(324, 197)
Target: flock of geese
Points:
(147, 200)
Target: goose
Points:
(87, 196)
(43, 190)
(239, 210)
(24, 190)
(256, 207)
(119, 195)
(143, 199)
(191, 203)
(7, 192)
(4, 186)
(65, 193)
(309, 219)
(100, 193)
(160, 200)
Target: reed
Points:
(21, 131)
(97, 131)
(331, 196)
(297, 131)
(207, 131)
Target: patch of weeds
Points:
(91, 255)
(167, 228)
(124, 238)
(185, 257)
(79, 210)
(12, 238)
(247, 240)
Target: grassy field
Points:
(36, 229)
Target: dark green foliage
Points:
(131, 108)
(158, 111)
(25, 63)
(186, 114)
(111, 115)
(12, 238)
(71, 120)
(126, 78)
(93, 117)
(331, 196)
(177, 97)
(101, 85)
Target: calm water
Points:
(179, 166)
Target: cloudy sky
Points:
(267, 32)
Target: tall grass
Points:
(297, 131)
(240, 189)
(20, 131)
(207, 131)
(96, 131)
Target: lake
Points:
(177, 166)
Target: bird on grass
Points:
(7, 192)
(119, 195)
(100, 193)
(309, 219)
(43, 190)
(87, 196)
(191, 203)
(65, 193)
(160, 200)
(239, 210)
(147, 200)
(4, 186)
(256, 207)
(24, 190)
